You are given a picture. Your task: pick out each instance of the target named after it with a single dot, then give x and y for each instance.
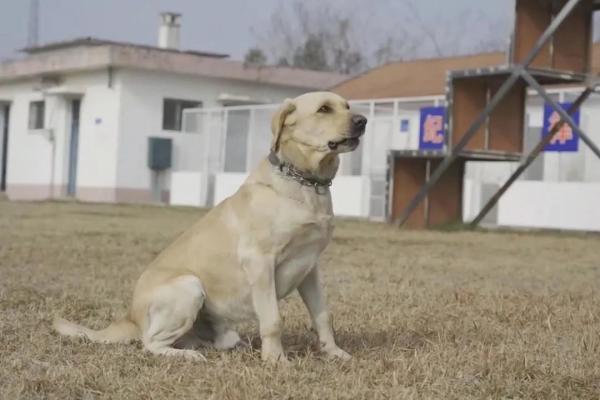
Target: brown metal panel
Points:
(506, 124)
(445, 198)
(572, 41)
(531, 20)
(409, 177)
(469, 100)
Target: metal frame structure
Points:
(529, 75)
(527, 160)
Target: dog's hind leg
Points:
(207, 333)
(171, 314)
(202, 334)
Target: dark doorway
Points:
(5, 110)
(73, 147)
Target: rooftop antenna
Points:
(33, 33)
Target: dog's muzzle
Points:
(358, 125)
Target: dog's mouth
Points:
(351, 142)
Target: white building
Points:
(76, 116)
(560, 189)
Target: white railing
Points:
(223, 144)
(232, 140)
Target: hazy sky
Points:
(212, 25)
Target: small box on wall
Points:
(159, 153)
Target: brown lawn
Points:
(446, 315)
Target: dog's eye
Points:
(325, 109)
(347, 106)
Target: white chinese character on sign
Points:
(564, 134)
(432, 129)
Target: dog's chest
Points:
(301, 254)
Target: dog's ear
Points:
(280, 119)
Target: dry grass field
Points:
(445, 315)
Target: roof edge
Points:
(93, 41)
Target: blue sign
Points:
(431, 128)
(404, 125)
(565, 139)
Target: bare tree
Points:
(312, 54)
(255, 56)
(316, 38)
(430, 33)
(471, 31)
(325, 37)
(394, 48)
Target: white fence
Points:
(224, 144)
(556, 205)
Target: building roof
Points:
(425, 77)
(91, 41)
(91, 54)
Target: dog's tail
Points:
(120, 331)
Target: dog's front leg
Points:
(264, 299)
(314, 299)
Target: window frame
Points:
(36, 118)
(176, 121)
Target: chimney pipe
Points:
(168, 32)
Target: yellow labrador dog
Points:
(251, 250)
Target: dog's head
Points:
(318, 122)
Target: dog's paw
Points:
(336, 352)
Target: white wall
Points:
(141, 117)
(591, 120)
(38, 160)
(477, 174)
(226, 184)
(564, 205)
(349, 194)
(115, 123)
(188, 188)
(29, 154)
(99, 136)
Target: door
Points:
(73, 147)
(4, 122)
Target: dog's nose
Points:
(359, 121)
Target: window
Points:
(173, 112)
(36, 115)
(236, 141)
